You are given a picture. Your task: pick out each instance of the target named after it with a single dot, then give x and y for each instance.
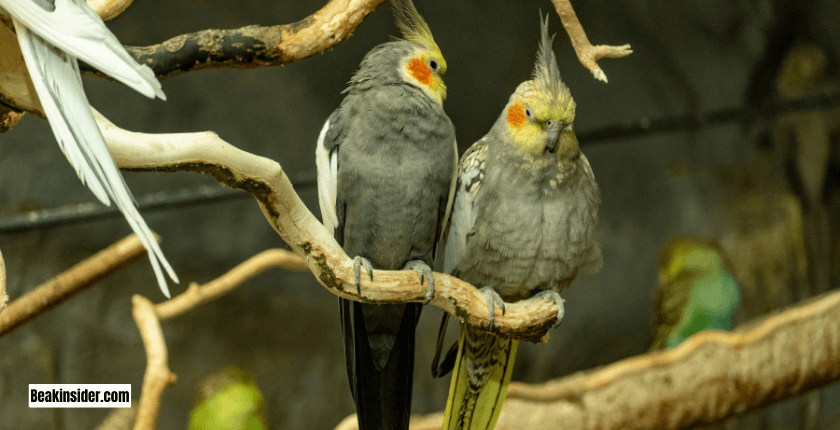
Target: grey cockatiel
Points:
(523, 223)
(53, 34)
(386, 160)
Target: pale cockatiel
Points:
(386, 160)
(523, 223)
(53, 34)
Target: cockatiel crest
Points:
(425, 67)
(541, 111)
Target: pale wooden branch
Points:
(71, 282)
(587, 54)
(265, 180)
(109, 9)
(157, 376)
(712, 376)
(195, 295)
(119, 419)
(4, 298)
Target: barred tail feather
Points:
(480, 380)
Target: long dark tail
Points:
(379, 347)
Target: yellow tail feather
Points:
(479, 380)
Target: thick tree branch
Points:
(71, 282)
(710, 377)
(587, 54)
(265, 180)
(254, 45)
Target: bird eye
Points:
(549, 123)
(529, 113)
(434, 65)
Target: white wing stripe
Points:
(327, 165)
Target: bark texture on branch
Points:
(254, 45)
(264, 179)
(712, 376)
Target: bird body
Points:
(523, 223)
(386, 160)
(53, 35)
(695, 293)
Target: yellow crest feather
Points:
(412, 26)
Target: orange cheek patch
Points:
(516, 115)
(421, 72)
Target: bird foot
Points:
(424, 271)
(493, 298)
(555, 296)
(358, 262)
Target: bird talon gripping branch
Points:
(425, 273)
(358, 262)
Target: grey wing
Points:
(326, 162)
(55, 76)
(444, 224)
(73, 27)
(462, 218)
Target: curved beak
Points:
(552, 138)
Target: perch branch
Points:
(109, 9)
(157, 376)
(587, 54)
(264, 179)
(119, 419)
(71, 282)
(254, 45)
(710, 377)
(3, 297)
(195, 295)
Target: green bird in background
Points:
(229, 400)
(696, 292)
(386, 160)
(523, 223)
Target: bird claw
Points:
(555, 296)
(493, 298)
(424, 271)
(358, 262)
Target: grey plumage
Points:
(386, 160)
(523, 223)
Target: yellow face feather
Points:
(541, 112)
(426, 66)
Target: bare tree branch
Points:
(710, 377)
(257, 264)
(254, 45)
(148, 317)
(109, 9)
(587, 54)
(263, 178)
(119, 419)
(4, 298)
(71, 282)
(157, 376)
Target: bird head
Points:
(541, 112)
(423, 66)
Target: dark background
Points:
(689, 56)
